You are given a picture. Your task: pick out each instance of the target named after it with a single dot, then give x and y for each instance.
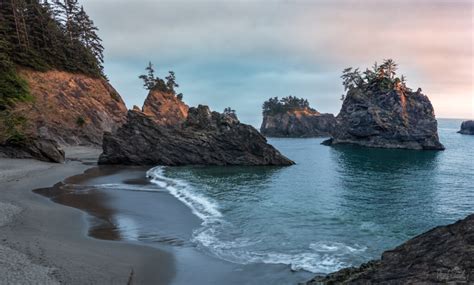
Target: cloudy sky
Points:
(239, 53)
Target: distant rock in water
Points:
(204, 138)
(380, 111)
(443, 255)
(292, 117)
(165, 108)
(41, 149)
(467, 128)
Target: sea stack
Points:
(443, 255)
(293, 117)
(379, 110)
(467, 128)
(203, 138)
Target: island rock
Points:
(298, 123)
(380, 111)
(443, 255)
(467, 128)
(293, 117)
(204, 138)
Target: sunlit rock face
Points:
(69, 108)
(298, 123)
(204, 138)
(467, 128)
(387, 119)
(165, 108)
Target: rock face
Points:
(41, 149)
(298, 123)
(467, 128)
(205, 138)
(443, 255)
(392, 119)
(69, 108)
(165, 108)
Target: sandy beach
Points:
(42, 242)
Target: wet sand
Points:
(42, 242)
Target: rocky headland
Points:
(65, 109)
(204, 138)
(467, 128)
(443, 255)
(293, 117)
(379, 110)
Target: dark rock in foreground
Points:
(298, 124)
(467, 128)
(41, 149)
(443, 255)
(205, 138)
(391, 119)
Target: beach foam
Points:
(320, 257)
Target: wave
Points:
(201, 206)
(320, 257)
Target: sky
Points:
(239, 53)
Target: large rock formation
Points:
(293, 117)
(70, 108)
(66, 109)
(443, 255)
(165, 108)
(467, 128)
(298, 123)
(38, 148)
(205, 138)
(387, 118)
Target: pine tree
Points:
(149, 79)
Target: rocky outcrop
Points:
(204, 138)
(387, 119)
(443, 255)
(165, 108)
(467, 128)
(298, 123)
(41, 149)
(69, 108)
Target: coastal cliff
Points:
(205, 138)
(443, 255)
(379, 110)
(65, 109)
(293, 117)
(467, 128)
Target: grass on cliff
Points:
(13, 89)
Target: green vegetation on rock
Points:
(291, 103)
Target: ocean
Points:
(337, 207)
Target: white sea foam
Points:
(201, 206)
(320, 257)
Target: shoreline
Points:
(56, 237)
(46, 242)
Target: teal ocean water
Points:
(338, 206)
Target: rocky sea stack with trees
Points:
(167, 132)
(379, 110)
(293, 117)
